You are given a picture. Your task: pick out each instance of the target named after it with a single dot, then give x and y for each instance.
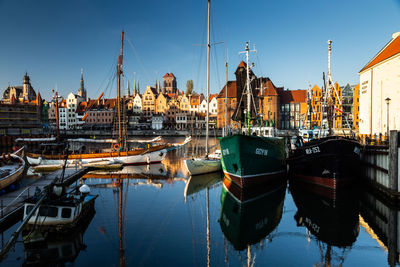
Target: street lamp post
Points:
(387, 100)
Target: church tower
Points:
(82, 90)
(25, 87)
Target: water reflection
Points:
(380, 219)
(151, 171)
(57, 249)
(197, 183)
(248, 217)
(333, 221)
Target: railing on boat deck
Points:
(381, 166)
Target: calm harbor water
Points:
(158, 216)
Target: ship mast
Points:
(330, 112)
(57, 117)
(248, 91)
(208, 74)
(226, 99)
(119, 72)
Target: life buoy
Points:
(116, 146)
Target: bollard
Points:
(393, 161)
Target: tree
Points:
(189, 87)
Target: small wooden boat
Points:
(60, 212)
(11, 169)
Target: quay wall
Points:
(381, 167)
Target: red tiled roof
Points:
(212, 96)
(231, 90)
(168, 75)
(81, 107)
(242, 64)
(101, 104)
(299, 96)
(63, 103)
(390, 49)
(292, 96)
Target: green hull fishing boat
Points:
(250, 160)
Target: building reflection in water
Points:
(248, 217)
(195, 148)
(380, 219)
(195, 185)
(330, 218)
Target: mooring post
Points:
(393, 161)
(392, 237)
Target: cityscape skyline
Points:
(53, 41)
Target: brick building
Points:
(21, 110)
(169, 84)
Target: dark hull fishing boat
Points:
(331, 162)
(250, 160)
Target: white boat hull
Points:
(15, 169)
(146, 158)
(200, 165)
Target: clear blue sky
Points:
(53, 40)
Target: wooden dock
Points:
(11, 204)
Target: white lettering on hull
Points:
(313, 150)
(262, 152)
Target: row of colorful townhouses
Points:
(371, 107)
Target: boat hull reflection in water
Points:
(57, 249)
(247, 221)
(151, 171)
(333, 222)
(198, 183)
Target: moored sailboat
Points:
(249, 160)
(207, 164)
(120, 153)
